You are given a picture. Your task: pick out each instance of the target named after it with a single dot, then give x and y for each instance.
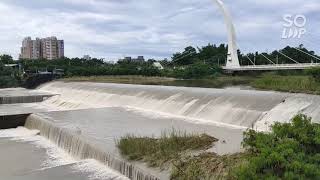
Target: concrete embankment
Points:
(12, 121)
(17, 103)
(20, 95)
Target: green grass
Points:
(210, 82)
(120, 79)
(269, 81)
(294, 84)
(182, 153)
(207, 166)
(157, 152)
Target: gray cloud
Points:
(154, 28)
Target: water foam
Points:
(225, 107)
(233, 107)
(81, 148)
(58, 157)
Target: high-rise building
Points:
(47, 48)
(60, 48)
(36, 49)
(26, 49)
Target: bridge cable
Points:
(288, 57)
(249, 59)
(185, 54)
(267, 58)
(246, 55)
(307, 53)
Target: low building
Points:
(158, 65)
(87, 57)
(130, 59)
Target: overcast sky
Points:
(154, 28)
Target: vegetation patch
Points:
(289, 151)
(213, 82)
(294, 84)
(207, 166)
(157, 152)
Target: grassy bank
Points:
(207, 166)
(144, 80)
(157, 152)
(184, 154)
(294, 84)
(290, 151)
(217, 82)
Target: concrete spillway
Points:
(20, 95)
(233, 108)
(85, 119)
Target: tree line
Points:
(191, 63)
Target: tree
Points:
(187, 57)
(6, 59)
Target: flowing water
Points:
(86, 119)
(28, 156)
(225, 107)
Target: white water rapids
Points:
(231, 107)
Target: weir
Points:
(85, 119)
(20, 95)
(80, 148)
(231, 107)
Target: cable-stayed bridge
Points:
(272, 67)
(233, 63)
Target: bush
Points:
(8, 81)
(315, 73)
(290, 151)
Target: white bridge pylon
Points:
(232, 57)
(233, 63)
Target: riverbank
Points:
(185, 155)
(293, 84)
(283, 83)
(289, 151)
(217, 82)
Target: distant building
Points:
(26, 49)
(130, 59)
(139, 59)
(60, 48)
(47, 48)
(36, 49)
(86, 57)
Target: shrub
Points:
(315, 73)
(290, 151)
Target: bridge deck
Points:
(273, 67)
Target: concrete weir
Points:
(20, 95)
(86, 119)
(225, 107)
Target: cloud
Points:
(115, 28)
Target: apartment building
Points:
(46, 48)
(26, 49)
